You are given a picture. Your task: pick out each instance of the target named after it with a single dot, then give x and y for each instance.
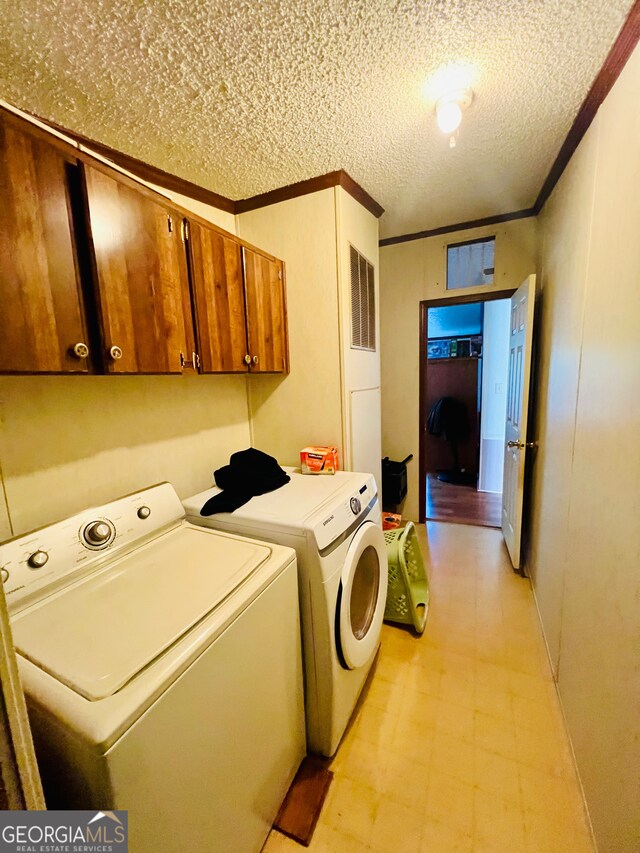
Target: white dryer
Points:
(334, 524)
(163, 671)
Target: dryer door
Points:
(362, 597)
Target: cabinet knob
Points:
(255, 359)
(115, 353)
(247, 359)
(80, 350)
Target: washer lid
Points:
(289, 505)
(100, 632)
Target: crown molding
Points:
(339, 178)
(617, 57)
(459, 226)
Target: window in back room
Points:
(470, 264)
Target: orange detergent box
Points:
(319, 460)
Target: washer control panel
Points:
(37, 563)
(340, 517)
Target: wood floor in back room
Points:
(458, 745)
(462, 504)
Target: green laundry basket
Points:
(408, 590)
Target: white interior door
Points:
(520, 338)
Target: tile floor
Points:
(458, 743)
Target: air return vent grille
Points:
(363, 303)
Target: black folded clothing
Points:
(249, 473)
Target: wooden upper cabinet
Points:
(140, 271)
(41, 310)
(266, 313)
(95, 274)
(218, 293)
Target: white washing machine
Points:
(334, 524)
(163, 671)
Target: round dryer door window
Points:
(363, 594)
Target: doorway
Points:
(463, 383)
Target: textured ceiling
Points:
(242, 97)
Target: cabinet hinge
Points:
(170, 224)
(194, 363)
(184, 227)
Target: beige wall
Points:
(585, 555)
(69, 441)
(566, 222)
(289, 412)
(409, 273)
(221, 218)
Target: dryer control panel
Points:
(38, 563)
(343, 518)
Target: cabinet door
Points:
(41, 312)
(266, 313)
(140, 268)
(216, 273)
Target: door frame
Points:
(425, 304)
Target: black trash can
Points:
(394, 481)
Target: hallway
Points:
(458, 743)
(462, 504)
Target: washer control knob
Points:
(4, 574)
(38, 559)
(144, 512)
(356, 506)
(97, 533)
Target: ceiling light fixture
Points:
(449, 110)
(448, 116)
